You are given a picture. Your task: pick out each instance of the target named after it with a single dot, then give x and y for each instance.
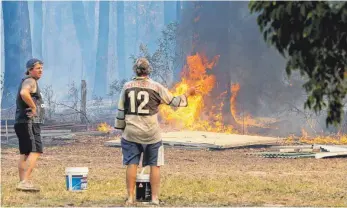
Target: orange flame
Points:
(234, 91)
(245, 120)
(305, 138)
(104, 127)
(196, 116)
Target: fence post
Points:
(6, 130)
(83, 102)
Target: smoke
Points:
(265, 90)
(61, 50)
(215, 28)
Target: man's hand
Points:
(117, 132)
(31, 112)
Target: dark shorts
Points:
(29, 136)
(153, 154)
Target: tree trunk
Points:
(120, 40)
(100, 84)
(184, 38)
(211, 35)
(17, 40)
(178, 11)
(37, 30)
(90, 16)
(84, 36)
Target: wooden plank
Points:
(56, 131)
(173, 143)
(116, 143)
(64, 137)
(58, 125)
(211, 140)
(64, 127)
(113, 143)
(248, 144)
(10, 136)
(219, 139)
(8, 131)
(91, 133)
(45, 134)
(44, 131)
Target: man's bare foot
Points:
(129, 202)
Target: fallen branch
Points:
(76, 110)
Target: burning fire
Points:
(198, 115)
(245, 120)
(336, 139)
(195, 117)
(104, 127)
(305, 138)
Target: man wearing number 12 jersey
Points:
(137, 117)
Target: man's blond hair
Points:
(142, 67)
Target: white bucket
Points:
(143, 188)
(76, 178)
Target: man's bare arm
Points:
(28, 86)
(175, 101)
(120, 117)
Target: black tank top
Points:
(21, 109)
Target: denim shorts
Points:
(153, 154)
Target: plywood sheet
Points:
(209, 139)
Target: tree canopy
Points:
(312, 36)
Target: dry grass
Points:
(189, 178)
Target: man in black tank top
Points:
(29, 117)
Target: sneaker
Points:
(155, 202)
(26, 186)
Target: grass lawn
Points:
(189, 178)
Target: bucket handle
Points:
(73, 187)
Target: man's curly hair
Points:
(142, 67)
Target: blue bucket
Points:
(76, 178)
